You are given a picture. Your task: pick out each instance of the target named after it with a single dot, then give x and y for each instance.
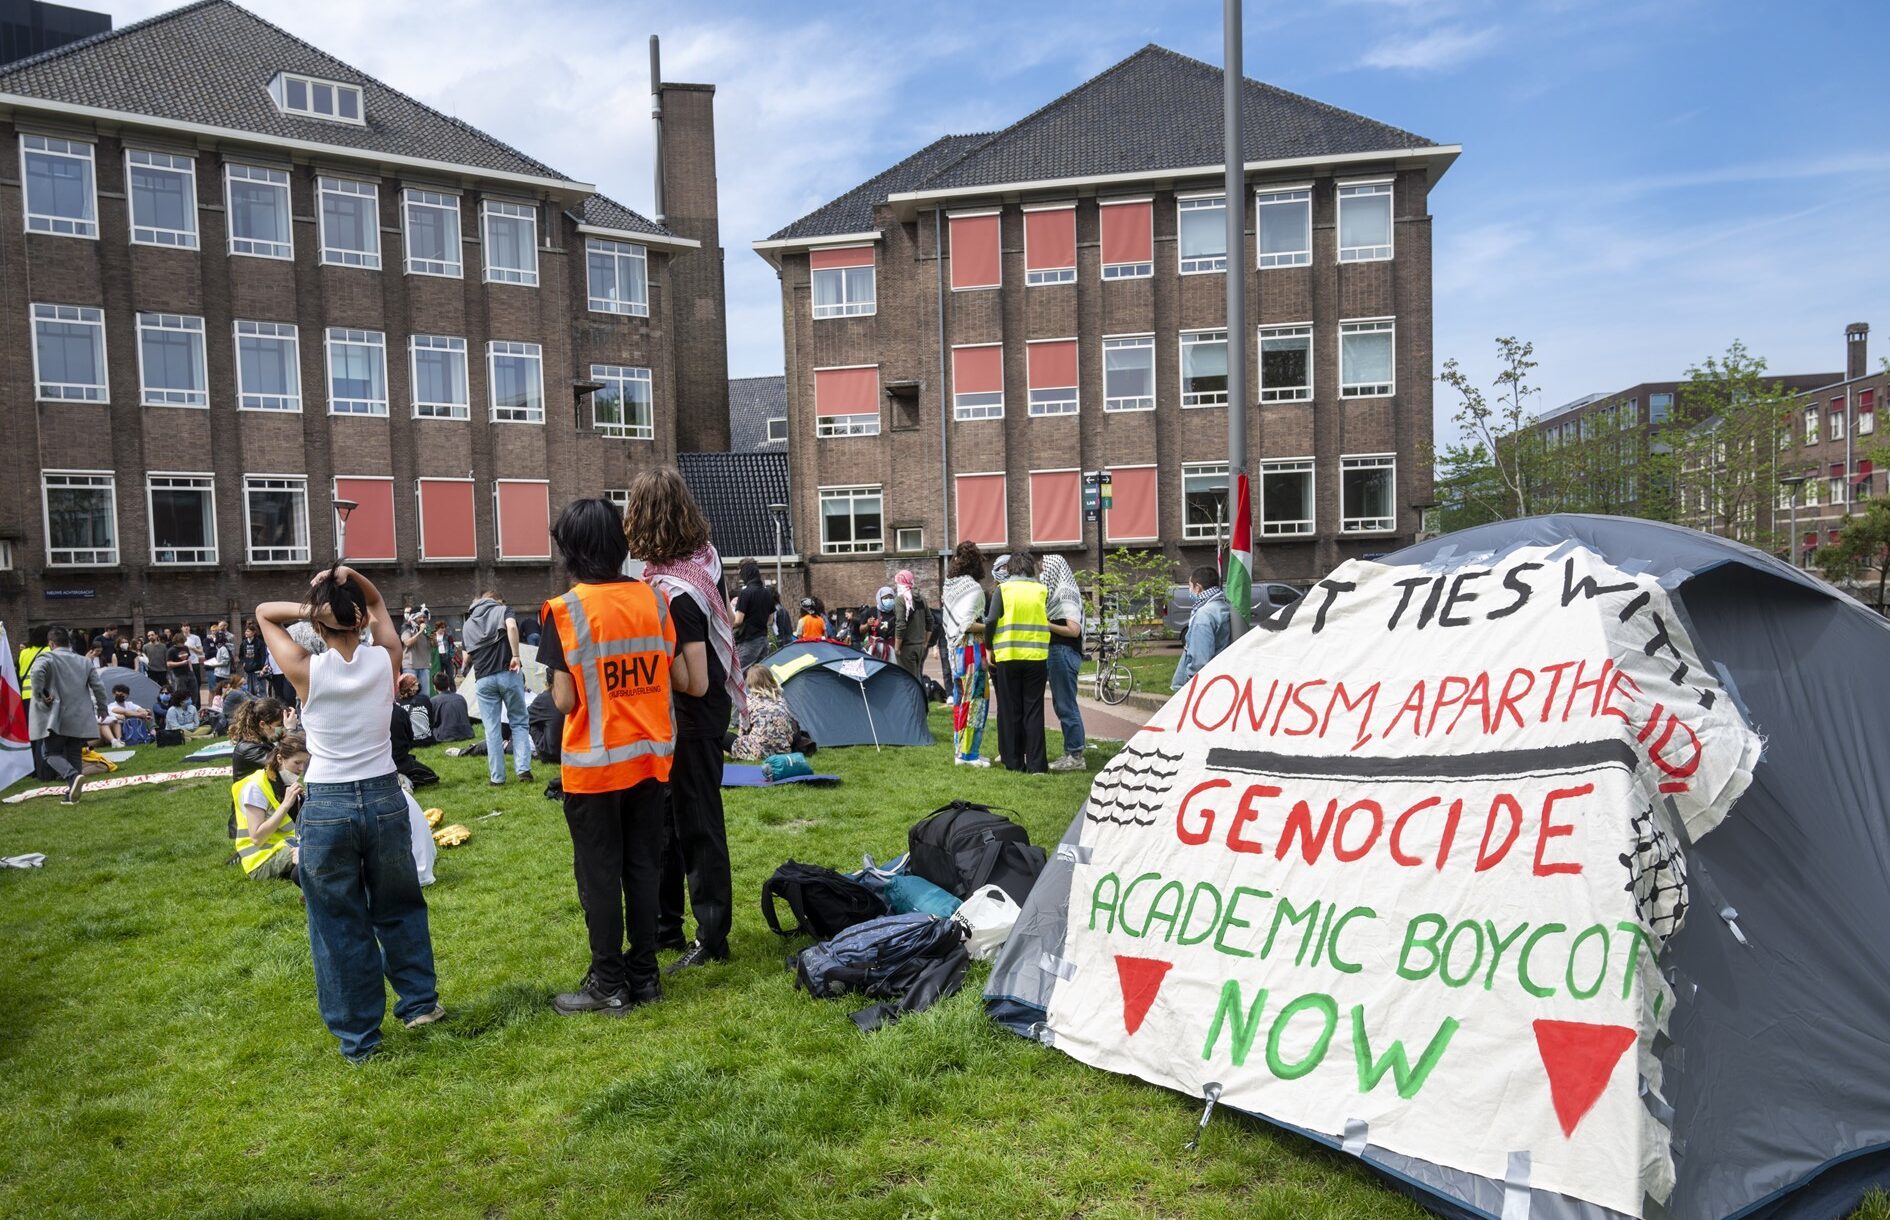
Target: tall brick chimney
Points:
(1856, 350)
(686, 198)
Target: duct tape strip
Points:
(1516, 1187)
(1357, 1134)
(1656, 1104)
(1731, 688)
(1211, 1093)
(1051, 964)
(1041, 1032)
(1567, 547)
(1634, 567)
(1673, 578)
(1732, 922)
(1075, 853)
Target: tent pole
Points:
(869, 718)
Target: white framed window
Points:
(268, 366)
(439, 377)
(1284, 219)
(1367, 490)
(847, 425)
(182, 510)
(978, 381)
(1204, 501)
(1201, 233)
(430, 221)
(1367, 359)
(1051, 373)
(1129, 373)
(81, 510)
(1128, 238)
(1811, 422)
(59, 180)
(1049, 243)
(846, 401)
(909, 538)
(1286, 370)
(777, 430)
(515, 373)
(851, 521)
(256, 202)
(1659, 406)
(1286, 498)
(619, 277)
(275, 518)
(1837, 424)
(357, 372)
(315, 98)
(69, 354)
(509, 232)
(626, 406)
(1364, 221)
(162, 189)
(350, 217)
(1203, 368)
(171, 365)
(845, 282)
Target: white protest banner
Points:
(1401, 866)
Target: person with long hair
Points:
(962, 605)
(608, 645)
(667, 531)
(768, 726)
(366, 914)
(265, 803)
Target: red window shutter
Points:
(1132, 516)
(1811, 540)
(982, 513)
(524, 510)
(846, 391)
(1050, 239)
(371, 524)
(1128, 233)
(447, 529)
(1831, 536)
(1056, 506)
(1837, 405)
(855, 256)
(974, 252)
(1837, 470)
(978, 370)
(1865, 468)
(1053, 364)
(1866, 400)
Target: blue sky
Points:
(1642, 180)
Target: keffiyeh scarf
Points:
(700, 577)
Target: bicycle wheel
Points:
(1115, 683)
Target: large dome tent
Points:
(1697, 1024)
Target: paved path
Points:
(1099, 719)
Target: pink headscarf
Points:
(902, 581)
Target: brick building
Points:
(1830, 439)
(240, 280)
(972, 329)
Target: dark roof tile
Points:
(752, 402)
(734, 490)
(853, 211)
(607, 213)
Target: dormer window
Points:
(317, 99)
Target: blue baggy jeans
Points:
(366, 915)
(504, 690)
(1065, 665)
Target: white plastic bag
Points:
(425, 850)
(987, 918)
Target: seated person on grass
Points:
(767, 727)
(183, 718)
(125, 722)
(451, 720)
(266, 802)
(410, 699)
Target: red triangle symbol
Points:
(1579, 1059)
(1141, 978)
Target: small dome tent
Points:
(843, 697)
(1543, 866)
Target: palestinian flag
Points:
(1237, 572)
(16, 758)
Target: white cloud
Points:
(1433, 51)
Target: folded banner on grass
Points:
(122, 781)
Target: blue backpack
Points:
(880, 958)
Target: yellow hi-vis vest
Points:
(28, 655)
(254, 854)
(1023, 630)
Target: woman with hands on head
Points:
(366, 915)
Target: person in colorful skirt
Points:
(963, 608)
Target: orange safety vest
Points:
(617, 641)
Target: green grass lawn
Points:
(162, 1052)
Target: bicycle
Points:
(1114, 680)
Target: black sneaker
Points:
(524, 777)
(72, 789)
(588, 998)
(649, 993)
(698, 954)
(554, 791)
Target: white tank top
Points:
(348, 716)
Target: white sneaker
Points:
(972, 762)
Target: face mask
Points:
(885, 603)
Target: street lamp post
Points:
(1794, 481)
(779, 513)
(342, 509)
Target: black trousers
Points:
(698, 846)
(64, 755)
(616, 853)
(1020, 687)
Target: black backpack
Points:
(966, 846)
(823, 902)
(880, 958)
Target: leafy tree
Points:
(1130, 591)
(1863, 546)
(1716, 464)
(1501, 456)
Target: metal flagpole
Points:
(1239, 577)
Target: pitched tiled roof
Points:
(607, 213)
(752, 402)
(1155, 110)
(853, 211)
(210, 63)
(734, 490)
